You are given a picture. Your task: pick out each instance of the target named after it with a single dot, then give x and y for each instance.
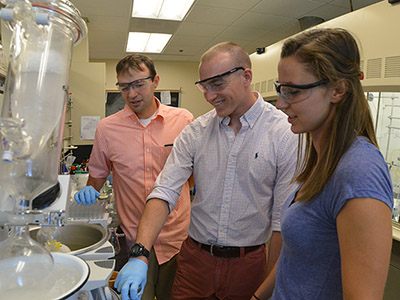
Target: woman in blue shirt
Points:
(336, 227)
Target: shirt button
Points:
(147, 150)
(147, 130)
(148, 188)
(147, 169)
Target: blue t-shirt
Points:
(309, 264)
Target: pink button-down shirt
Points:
(137, 154)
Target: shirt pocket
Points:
(164, 152)
(261, 168)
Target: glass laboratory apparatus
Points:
(385, 109)
(41, 35)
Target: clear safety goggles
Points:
(137, 85)
(293, 93)
(217, 82)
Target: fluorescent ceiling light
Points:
(161, 9)
(147, 42)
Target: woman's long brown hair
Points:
(330, 54)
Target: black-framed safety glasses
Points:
(217, 82)
(293, 93)
(137, 84)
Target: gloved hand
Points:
(86, 195)
(131, 279)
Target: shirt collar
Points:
(128, 112)
(250, 116)
(254, 112)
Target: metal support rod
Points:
(390, 130)
(393, 127)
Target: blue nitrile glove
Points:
(86, 195)
(131, 279)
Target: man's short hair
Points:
(135, 62)
(239, 56)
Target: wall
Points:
(375, 27)
(173, 76)
(89, 82)
(87, 85)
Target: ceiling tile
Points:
(328, 12)
(235, 4)
(107, 23)
(188, 45)
(250, 23)
(221, 39)
(118, 8)
(241, 33)
(357, 4)
(153, 25)
(204, 48)
(288, 29)
(287, 8)
(213, 15)
(197, 29)
(255, 20)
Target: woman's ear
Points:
(339, 91)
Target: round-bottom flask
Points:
(25, 266)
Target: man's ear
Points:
(156, 81)
(247, 76)
(339, 91)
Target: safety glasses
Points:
(138, 84)
(293, 93)
(217, 82)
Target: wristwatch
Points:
(139, 250)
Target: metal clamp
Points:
(37, 217)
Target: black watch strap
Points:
(139, 250)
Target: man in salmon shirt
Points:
(135, 142)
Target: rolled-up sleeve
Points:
(177, 169)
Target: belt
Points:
(226, 251)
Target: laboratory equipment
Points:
(95, 213)
(38, 36)
(32, 116)
(385, 108)
(90, 243)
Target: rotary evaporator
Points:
(35, 198)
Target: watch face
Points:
(139, 250)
